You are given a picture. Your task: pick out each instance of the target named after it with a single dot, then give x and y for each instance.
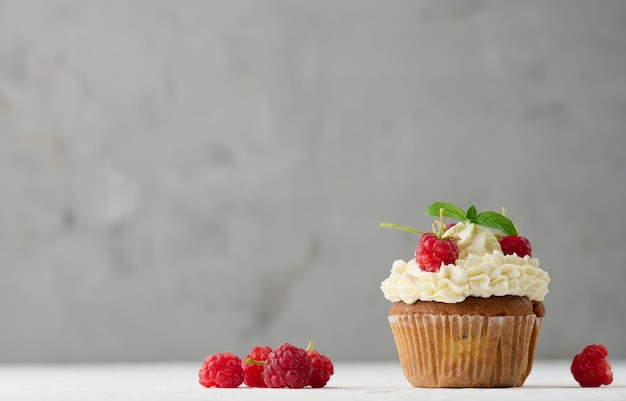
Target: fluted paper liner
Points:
(465, 350)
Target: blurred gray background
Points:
(180, 178)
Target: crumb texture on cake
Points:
(507, 305)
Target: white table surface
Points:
(549, 380)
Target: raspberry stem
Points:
(254, 362)
(441, 226)
(514, 226)
(403, 228)
(438, 227)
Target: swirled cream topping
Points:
(482, 270)
(472, 239)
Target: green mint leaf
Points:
(497, 221)
(471, 213)
(403, 228)
(451, 210)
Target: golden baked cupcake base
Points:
(480, 342)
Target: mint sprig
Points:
(497, 221)
(450, 210)
(487, 219)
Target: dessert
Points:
(473, 322)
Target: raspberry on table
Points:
(253, 366)
(322, 369)
(590, 368)
(287, 366)
(221, 370)
(432, 251)
(517, 244)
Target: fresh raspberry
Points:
(322, 369)
(221, 370)
(590, 368)
(431, 251)
(253, 366)
(287, 366)
(517, 244)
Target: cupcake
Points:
(467, 309)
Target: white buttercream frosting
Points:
(472, 239)
(482, 270)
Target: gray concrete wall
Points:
(186, 177)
